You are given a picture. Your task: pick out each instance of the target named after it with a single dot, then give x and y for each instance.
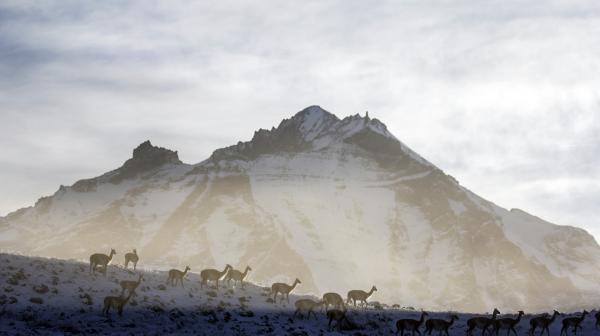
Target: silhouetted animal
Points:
(284, 289)
(131, 286)
(574, 322)
(481, 322)
(100, 259)
(131, 257)
(336, 315)
(306, 305)
(333, 299)
(360, 295)
(175, 275)
(542, 322)
(212, 275)
(115, 301)
(508, 324)
(597, 316)
(403, 325)
(236, 275)
(439, 325)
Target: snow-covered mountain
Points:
(340, 204)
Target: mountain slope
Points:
(339, 203)
(59, 297)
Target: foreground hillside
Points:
(53, 296)
(323, 197)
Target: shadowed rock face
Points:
(340, 204)
(289, 136)
(145, 157)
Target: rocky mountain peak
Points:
(313, 128)
(145, 157)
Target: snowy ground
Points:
(41, 296)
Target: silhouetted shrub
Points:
(36, 300)
(41, 289)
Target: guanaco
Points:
(100, 259)
(333, 299)
(212, 274)
(284, 289)
(117, 302)
(236, 275)
(360, 295)
(543, 322)
(131, 257)
(336, 315)
(410, 325)
(175, 275)
(481, 322)
(130, 285)
(508, 324)
(440, 325)
(574, 322)
(308, 306)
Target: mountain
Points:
(339, 203)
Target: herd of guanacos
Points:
(338, 311)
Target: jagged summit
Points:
(145, 157)
(315, 129)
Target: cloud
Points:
(502, 95)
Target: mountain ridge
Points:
(293, 199)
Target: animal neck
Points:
(127, 298)
(245, 272)
(494, 315)
(294, 285)
(110, 255)
(225, 270)
(582, 316)
(371, 291)
(519, 317)
(422, 318)
(553, 317)
(185, 271)
(452, 318)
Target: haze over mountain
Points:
(339, 203)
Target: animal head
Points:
(298, 281)
(112, 251)
(496, 311)
(134, 251)
(424, 313)
(557, 313)
(521, 312)
(454, 317)
(585, 312)
(187, 268)
(249, 268)
(374, 288)
(228, 266)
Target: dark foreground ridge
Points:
(53, 296)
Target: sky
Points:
(502, 95)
